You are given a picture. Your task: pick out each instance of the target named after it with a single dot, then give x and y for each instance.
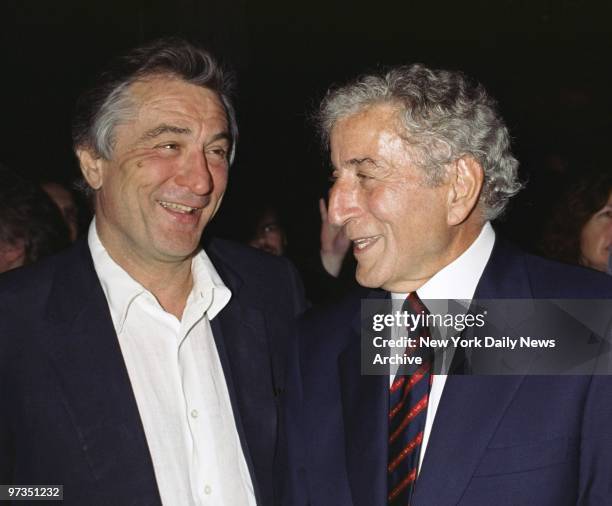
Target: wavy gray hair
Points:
(445, 115)
(109, 103)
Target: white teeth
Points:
(362, 243)
(177, 207)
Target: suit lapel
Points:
(229, 326)
(468, 414)
(83, 347)
(241, 338)
(365, 407)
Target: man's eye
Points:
(363, 177)
(271, 227)
(218, 152)
(168, 146)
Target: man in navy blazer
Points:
(421, 165)
(138, 368)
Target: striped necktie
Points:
(408, 399)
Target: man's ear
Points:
(91, 167)
(466, 177)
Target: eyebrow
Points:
(221, 135)
(361, 161)
(164, 129)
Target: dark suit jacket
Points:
(510, 440)
(69, 415)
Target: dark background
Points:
(547, 62)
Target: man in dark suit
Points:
(421, 165)
(139, 368)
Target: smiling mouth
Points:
(178, 208)
(364, 242)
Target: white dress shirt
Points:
(457, 281)
(179, 384)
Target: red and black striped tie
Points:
(408, 400)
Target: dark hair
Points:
(108, 103)
(587, 193)
(28, 214)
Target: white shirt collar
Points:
(209, 292)
(458, 280)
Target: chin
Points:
(180, 251)
(367, 280)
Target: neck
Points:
(169, 282)
(171, 288)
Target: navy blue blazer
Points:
(69, 415)
(510, 440)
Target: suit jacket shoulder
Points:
(262, 276)
(54, 288)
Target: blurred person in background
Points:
(31, 226)
(326, 276)
(269, 234)
(66, 203)
(580, 229)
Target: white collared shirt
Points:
(179, 384)
(457, 281)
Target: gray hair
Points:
(108, 104)
(445, 117)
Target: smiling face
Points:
(399, 225)
(166, 177)
(596, 238)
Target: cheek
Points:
(277, 238)
(387, 206)
(399, 212)
(589, 238)
(220, 177)
(154, 169)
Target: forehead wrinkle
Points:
(392, 146)
(208, 128)
(176, 97)
(371, 136)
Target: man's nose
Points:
(260, 241)
(343, 203)
(196, 175)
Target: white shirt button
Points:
(207, 490)
(194, 413)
